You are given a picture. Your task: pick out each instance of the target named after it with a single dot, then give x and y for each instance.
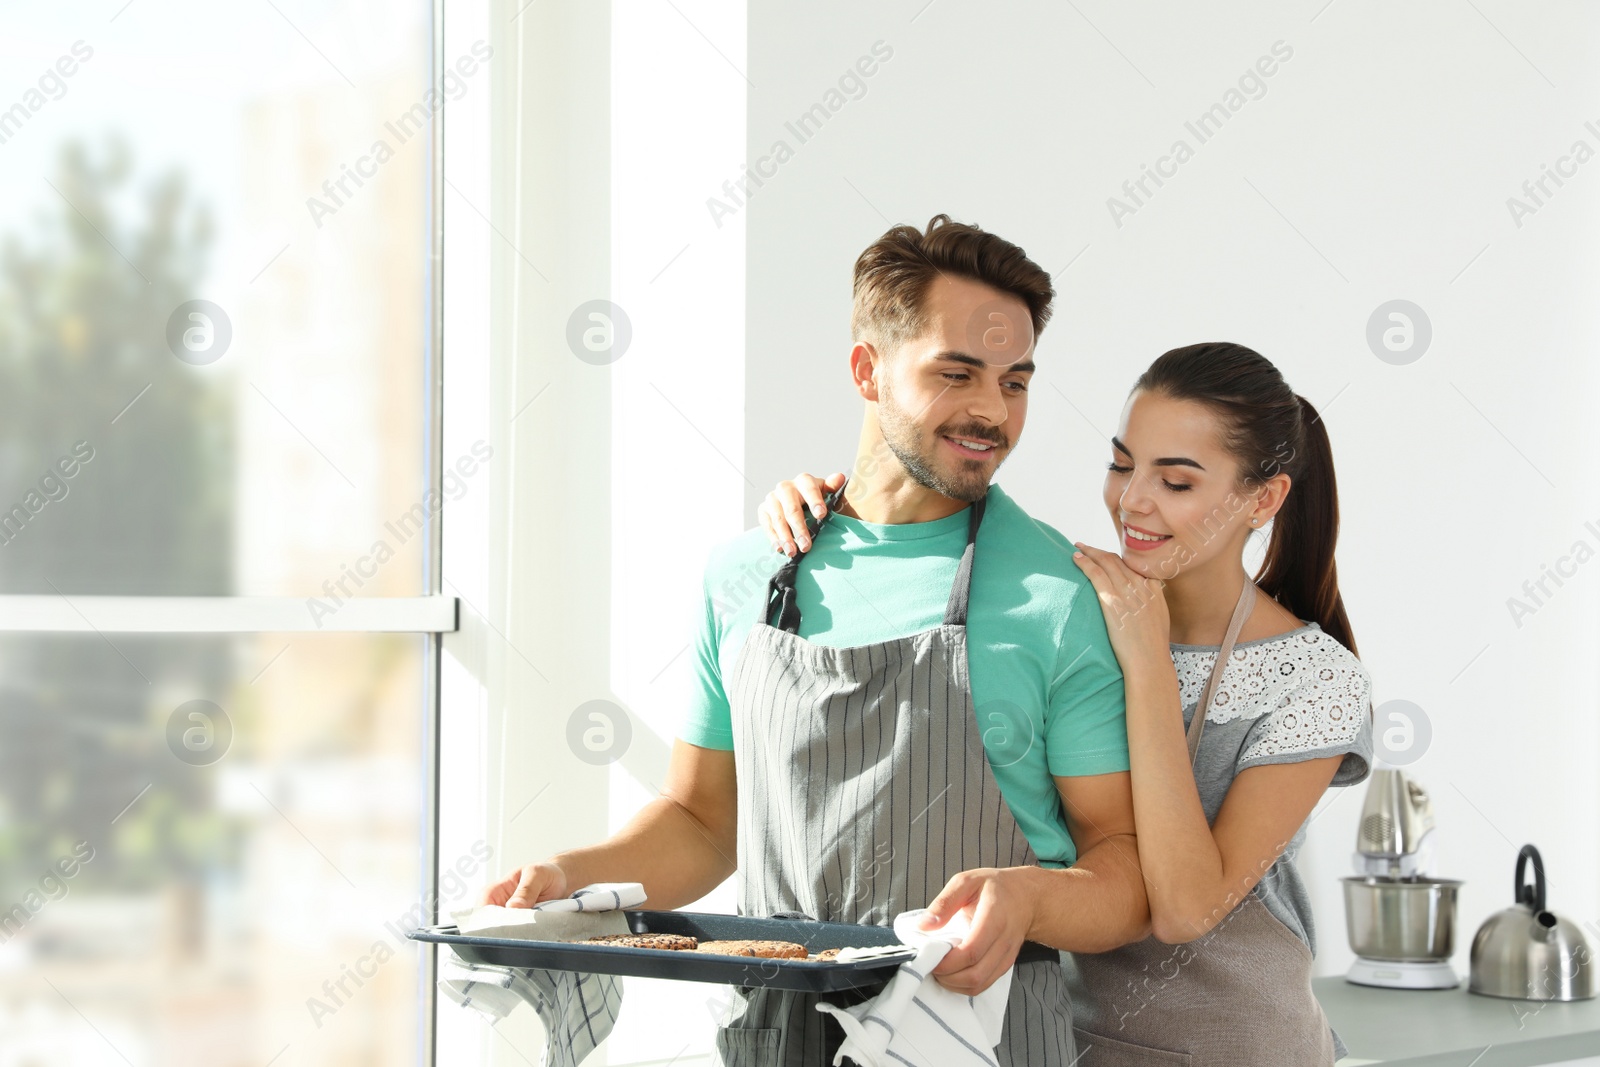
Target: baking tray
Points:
(814, 976)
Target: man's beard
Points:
(900, 433)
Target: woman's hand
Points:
(999, 902)
(783, 515)
(1135, 608)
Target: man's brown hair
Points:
(893, 275)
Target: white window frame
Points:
(59, 613)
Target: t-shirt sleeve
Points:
(1328, 713)
(708, 720)
(1086, 729)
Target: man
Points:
(924, 710)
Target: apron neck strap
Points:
(781, 587)
(1241, 612)
(955, 611)
(781, 593)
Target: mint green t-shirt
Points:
(1045, 683)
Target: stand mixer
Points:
(1400, 919)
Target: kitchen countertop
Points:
(1448, 1027)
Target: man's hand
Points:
(526, 886)
(999, 904)
(679, 846)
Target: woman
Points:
(1212, 446)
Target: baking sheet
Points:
(816, 976)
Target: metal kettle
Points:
(1528, 953)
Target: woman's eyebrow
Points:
(1169, 461)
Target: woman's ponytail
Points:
(1299, 571)
(1271, 430)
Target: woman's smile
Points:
(1142, 540)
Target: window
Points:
(219, 497)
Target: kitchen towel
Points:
(578, 1009)
(591, 911)
(918, 1022)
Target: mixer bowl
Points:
(1401, 921)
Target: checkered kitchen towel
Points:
(577, 1009)
(916, 1021)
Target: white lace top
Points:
(1313, 692)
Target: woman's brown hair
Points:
(1271, 429)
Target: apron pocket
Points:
(1097, 1051)
(747, 1047)
(1297, 946)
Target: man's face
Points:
(951, 402)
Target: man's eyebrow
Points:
(1025, 367)
(1169, 461)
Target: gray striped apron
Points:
(863, 788)
(1237, 996)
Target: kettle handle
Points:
(1533, 896)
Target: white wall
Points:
(578, 178)
(1376, 166)
(527, 222)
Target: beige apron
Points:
(1238, 996)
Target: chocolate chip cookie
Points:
(767, 950)
(670, 942)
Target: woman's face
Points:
(1172, 491)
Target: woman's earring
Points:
(1254, 521)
